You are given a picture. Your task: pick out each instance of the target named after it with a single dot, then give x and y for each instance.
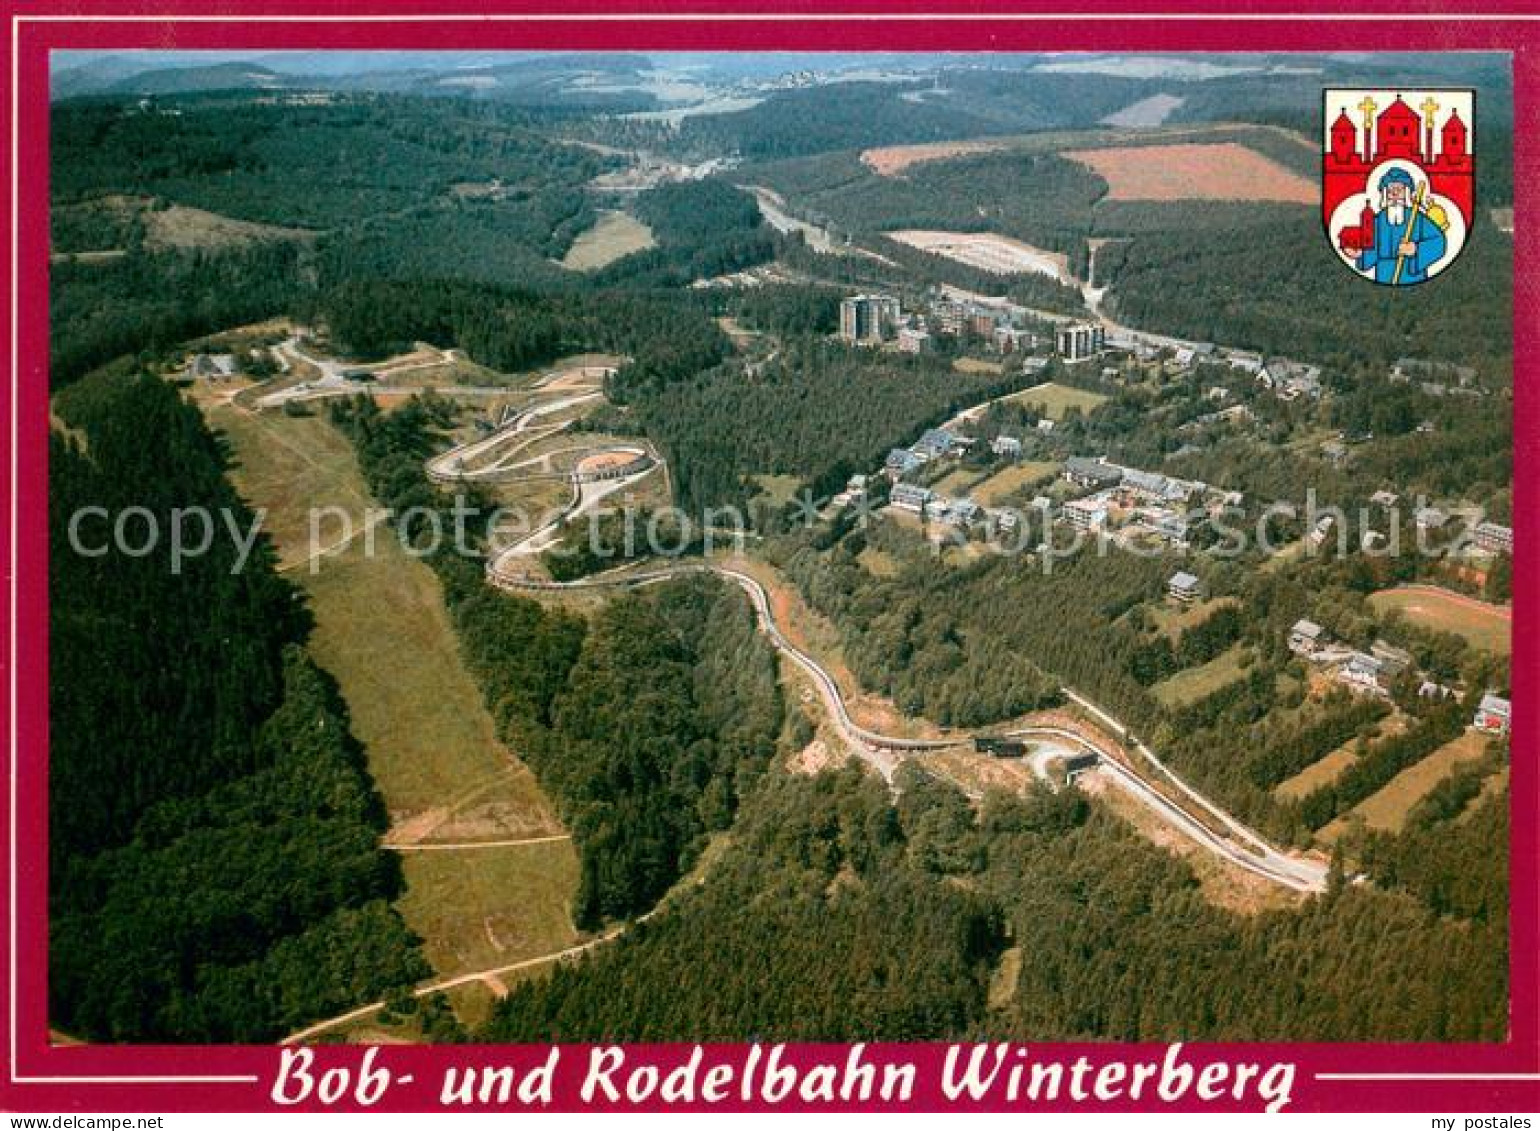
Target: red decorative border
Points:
(1368, 1077)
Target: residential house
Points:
(1306, 637)
(1386, 499)
(909, 497)
(1493, 538)
(1007, 446)
(1494, 715)
(1183, 588)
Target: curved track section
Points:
(1231, 840)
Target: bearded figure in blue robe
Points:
(1417, 247)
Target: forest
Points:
(215, 872)
(820, 411)
(875, 919)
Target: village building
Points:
(211, 366)
(1007, 446)
(1386, 499)
(1363, 672)
(1430, 518)
(1183, 588)
(1097, 473)
(1081, 340)
(1306, 637)
(901, 461)
(1493, 538)
(1494, 715)
(1290, 380)
(868, 319)
(913, 339)
(1393, 660)
(933, 444)
(909, 497)
(1086, 514)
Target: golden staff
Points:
(1407, 231)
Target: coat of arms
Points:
(1398, 180)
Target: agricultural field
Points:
(1386, 809)
(1053, 400)
(991, 491)
(1486, 626)
(1222, 171)
(891, 160)
(1193, 684)
(615, 236)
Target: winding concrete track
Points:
(1232, 840)
(1238, 844)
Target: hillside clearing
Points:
(1054, 400)
(615, 236)
(1485, 626)
(1191, 171)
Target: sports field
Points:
(1488, 627)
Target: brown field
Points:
(601, 460)
(990, 491)
(383, 633)
(1386, 810)
(1486, 626)
(1323, 771)
(1226, 171)
(181, 227)
(1173, 620)
(987, 251)
(890, 160)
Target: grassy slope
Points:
(383, 633)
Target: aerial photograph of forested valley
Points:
(709, 547)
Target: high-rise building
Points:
(868, 319)
(1081, 340)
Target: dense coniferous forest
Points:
(215, 872)
(869, 921)
(819, 411)
(812, 925)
